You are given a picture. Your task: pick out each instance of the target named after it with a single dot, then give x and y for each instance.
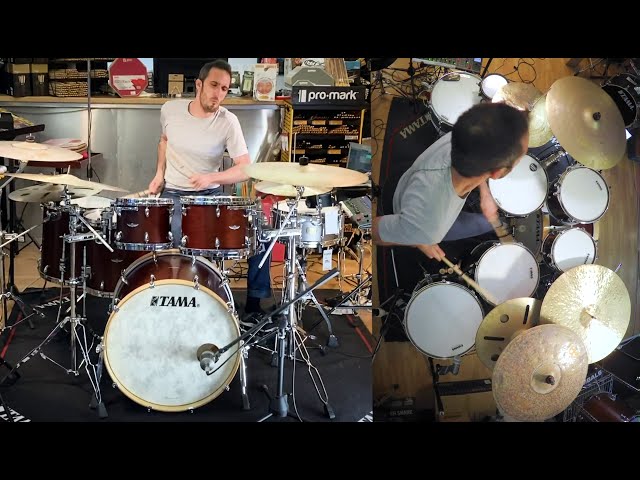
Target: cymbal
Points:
(311, 175)
(539, 130)
(519, 95)
(49, 193)
(540, 373)
(503, 324)
(593, 302)
(271, 188)
(586, 122)
(37, 152)
(64, 179)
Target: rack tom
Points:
(143, 223)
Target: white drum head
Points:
(573, 247)
(451, 98)
(523, 190)
(442, 319)
(491, 84)
(584, 194)
(151, 344)
(508, 271)
(92, 202)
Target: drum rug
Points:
(43, 391)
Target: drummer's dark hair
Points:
(219, 64)
(487, 137)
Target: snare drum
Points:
(171, 305)
(491, 84)
(506, 271)
(221, 227)
(453, 94)
(523, 190)
(580, 195)
(318, 229)
(441, 319)
(624, 89)
(143, 223)
(568, 248)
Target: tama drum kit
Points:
(537, 338)
(122, 249)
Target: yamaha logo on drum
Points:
(166, 301)
(457, 347)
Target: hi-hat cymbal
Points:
(586, 122)
(64, 179)
(271, 188)
(50, 193)
(37, 152)
(540, 373)
(503, 324)
(311, 175)
(519, 95)
(592, 301)
(539, 130)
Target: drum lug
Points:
(224, 282)
(184, 240)
(113, 385)
(146, 212)
(146, 237)
(230, 308)
(170, 236)
(196, 283)
(191, 410)
(152, 281)
(217, 211)
(217, 242)
(246, 241)
(123, 279)
(184, 211)
(227, 388)
(102, 286)
(119, 235)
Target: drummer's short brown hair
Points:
(487, 137)
(219, 64)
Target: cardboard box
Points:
(264, 81)
(176, 84)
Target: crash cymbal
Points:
(64, 179)
(311, 175)
(36, 152)
(49, 193)
(271, 188)
(539, 130)
(503, 324)
(586, 122)
(540, 373)
(519, 95)
(592, 301)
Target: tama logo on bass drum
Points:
(167, 301)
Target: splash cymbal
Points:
(586, 122)
(519, 95)
(593, 302)
(540, 373)
(539, 130)
(271, 188)
(36, 152)
(50, 193)
(503, 324)
(64, 179)
(311, 175)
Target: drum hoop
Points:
(217, 200)
(415, 294)
(149, 202)
(558, 191)
(435, 113)
(482, 83)
(155, 406)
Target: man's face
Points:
(213, 90)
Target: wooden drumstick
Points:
(142, 194)
(490, 298)
(503, 234)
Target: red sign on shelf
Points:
(128, 77)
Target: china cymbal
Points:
(64, 179)
(49, 193)
(592, 301)
(519, 95)
(311, 175)
(539, 130)
(503, 324)
(271, 188)
(540, 373)
(586, 122)
(36, 152)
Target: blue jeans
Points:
(258, 279)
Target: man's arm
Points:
(158, 180)
(233, 175)
(490, 211)
(431, 251)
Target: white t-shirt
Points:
(425, 204)
(196, 145)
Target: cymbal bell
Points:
(539, 130)
(271, 188)
(64, 179)
(540, 373)
(311, 175)
(36, 152)
(519, 95)
(586, 122)
(502, 325)
(50, 193)
(593, 302)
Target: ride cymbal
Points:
(540, 373)
(64, 179)
(503, 324)
(586, 122)
(271, 188)
(36, 152)
(311, 175)
(50, 193)
(593, 302)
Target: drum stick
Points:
(471, 282)
(141, 194)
